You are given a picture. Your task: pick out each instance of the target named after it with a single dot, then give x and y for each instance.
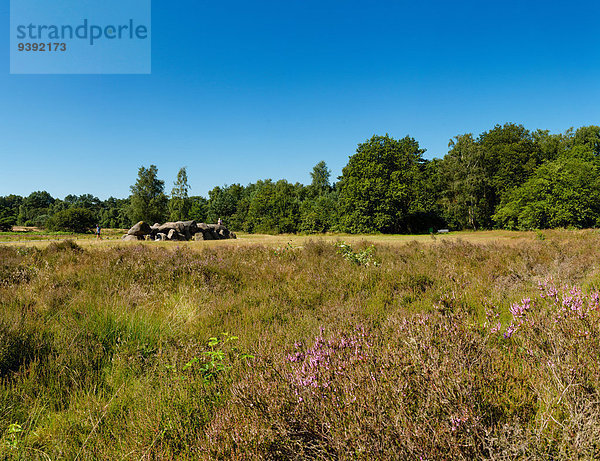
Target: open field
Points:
(111, 236)
(466, 346)
(32, 234)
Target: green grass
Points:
(110, 236)
(24, 235)
(111, 350)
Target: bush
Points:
(65, 245)
(72, 220)
(6, 224)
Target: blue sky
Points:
(241, 91)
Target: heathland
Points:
(481, 345)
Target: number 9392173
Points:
(49, 46)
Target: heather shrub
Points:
(445, 350)
(556, 333)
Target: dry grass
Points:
(112, 237)
(105, 349)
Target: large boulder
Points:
(166, 227)
(212, 231)
(180, 230)
(186, 227)
(209, 234)
(222, 232)
(174, 235)
(140, 229)
(132, 238)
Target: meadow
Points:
(461, 346)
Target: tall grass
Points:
(427, 351)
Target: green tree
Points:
(561, 193)
(72, 220)
(478, 175)
(320, 183)
(551, 146)
(510, 158)
(148, 201)
(229, 204)
(35, 209)
(274, 207)
(179, 205)
(9, 210)
(379, 186)
(319, 214)
(466, 190)
(115, 214)
(425, 212)
(588, 136)
(198, 209)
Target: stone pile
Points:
(180, 230)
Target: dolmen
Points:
(178, 231)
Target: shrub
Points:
(6, 224)
(65, 245)
(361, 258)
(72, 220)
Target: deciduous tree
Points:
(379, 185)
(179, 205)
(148, 200)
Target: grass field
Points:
(462, 346)
(34, 235)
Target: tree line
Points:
(508, 177)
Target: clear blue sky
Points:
(242, 91)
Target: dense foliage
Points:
(379, 186)
(507, 177)
(72, 220)
(148, 201)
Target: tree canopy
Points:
(148, 201)
(379, 185)
(179, 205)
(561, 193)
(506, 177)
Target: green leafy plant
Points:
(365, 257)
(13, 435)
(217, 359)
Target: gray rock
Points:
(166, 227)
(189, 230)
(222, 232)
(184, 227)
(139, 229)
(209, 235)
(174, 235)
(132, 238)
